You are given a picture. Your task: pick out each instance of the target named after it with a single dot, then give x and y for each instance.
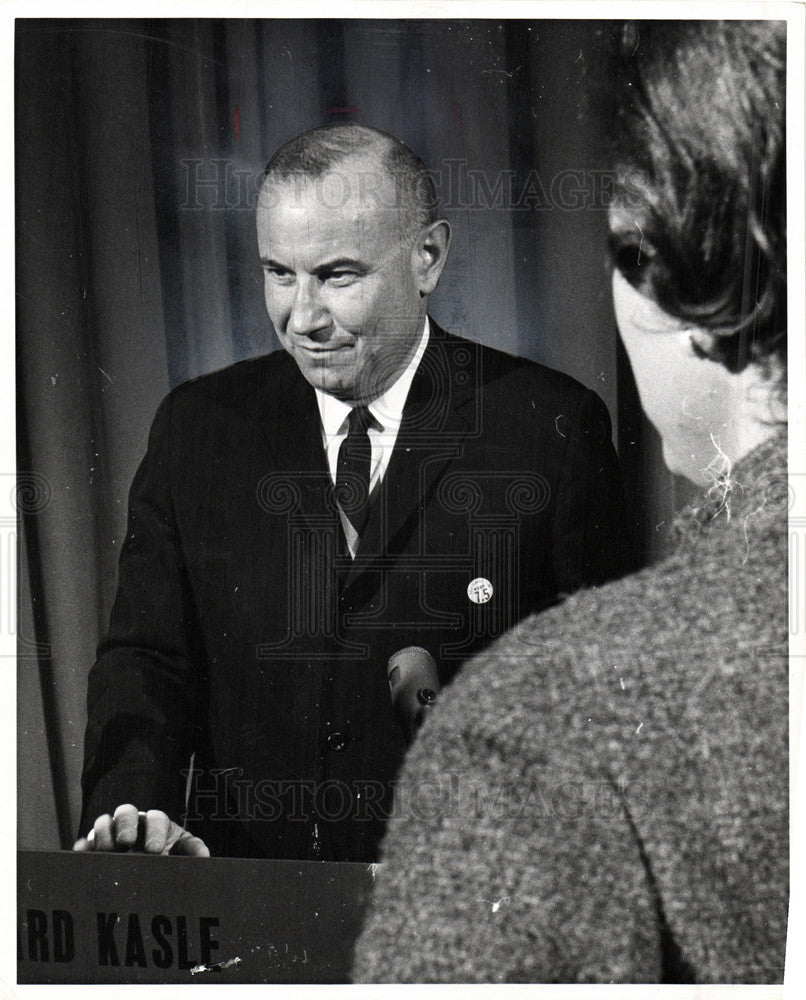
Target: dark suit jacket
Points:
(241, 633)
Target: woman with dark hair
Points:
(602, 796)
(698, 231)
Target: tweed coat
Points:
(601, 796)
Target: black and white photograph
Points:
(405, 558)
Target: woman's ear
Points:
(703, 342)
(725, 347)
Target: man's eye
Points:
(341, 277)
(280, 274)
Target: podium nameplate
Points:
(126, 918)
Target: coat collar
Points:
(437, 417)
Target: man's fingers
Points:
(125, 823)
(157, 829)
(186, 845)
(102, 836)
(152, 832)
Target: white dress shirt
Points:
(387, 414)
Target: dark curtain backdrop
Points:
(138, 148)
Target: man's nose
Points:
(308, 317)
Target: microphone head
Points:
(412, 667)
(413, 685)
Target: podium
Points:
(132, 918)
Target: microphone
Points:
(413, 685)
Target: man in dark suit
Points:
(299, 518)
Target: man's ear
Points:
(430, 253)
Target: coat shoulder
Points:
(244, 389)
(512, 370)
(237, 378)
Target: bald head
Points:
(376, 164)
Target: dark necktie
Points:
(352, 469)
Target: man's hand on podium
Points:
(149, 832)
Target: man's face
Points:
(341, 278)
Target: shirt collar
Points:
(387, 409)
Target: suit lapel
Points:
(294, 438)
(438, 414)
(440, 410)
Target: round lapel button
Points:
(480, 590)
